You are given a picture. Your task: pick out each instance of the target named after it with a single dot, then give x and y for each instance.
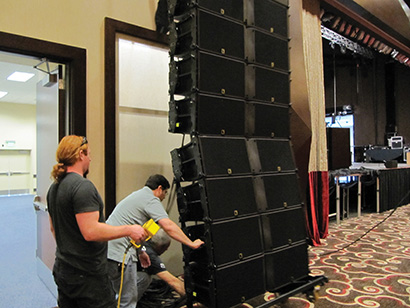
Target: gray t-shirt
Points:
(137, 208)
(75, 194)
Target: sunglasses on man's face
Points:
(83, 142)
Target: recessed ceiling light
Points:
(20, 76)
(2, 94)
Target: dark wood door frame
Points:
(112, 28)
(75, 60)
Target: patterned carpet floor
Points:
(367, 262)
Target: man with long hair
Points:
(78, 225)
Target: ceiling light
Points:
(2, 94)
(20, 76)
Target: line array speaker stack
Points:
(236, 177)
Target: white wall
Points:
(18, 123)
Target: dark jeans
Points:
(77, 289)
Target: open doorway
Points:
(70, 116)
(20, 77)
(137, 141)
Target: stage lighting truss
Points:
(345, 43)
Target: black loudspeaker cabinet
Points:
(211, 157)
(192, 32)
(226, 286)
(227, 241)
(207, 156)
(218, 75)
(269, 120)
(229, 268)
(274, 155)
(216, 199)
(285, 266)
(206, 115)
(281, 190)
(270, 85)
(338, 148)
(283, 227)
(270, 50)
(271, 16)
(229, 8)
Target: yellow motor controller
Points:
(151, 227)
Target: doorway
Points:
(22, 80)
(71, 119)
(18, 152)
(137, 142)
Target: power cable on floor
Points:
(368, 231)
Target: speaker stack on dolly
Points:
(237, 185)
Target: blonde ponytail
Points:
(67, 154)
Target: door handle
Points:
(36, 202)
(38, 205)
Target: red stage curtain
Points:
(317, 211)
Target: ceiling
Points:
(21, 92)
(394, 13)
(369, 26)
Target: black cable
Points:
(183, 140)
(348, 185)
(368, 231)
(160, 295)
